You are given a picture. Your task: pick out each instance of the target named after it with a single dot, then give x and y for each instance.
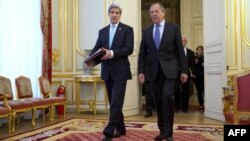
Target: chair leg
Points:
(9, 123)
(33, 117)
(13, 121)
(18, 119)
(52, 110)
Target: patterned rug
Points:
(91, 130)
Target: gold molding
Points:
(232, 29)
(65, 35)
(55, 84)
(67, 85)
(244, 39)
(243, 24)
(56, 52)
(63, 75)
(55, 56)
(235, 35)
(81, 52)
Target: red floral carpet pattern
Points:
(91, 130)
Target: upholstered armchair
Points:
(24, 92)
(45, 88)
(5, 110)
(16, 106)
(236, 99)
(241, 96)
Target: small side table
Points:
(94, 79)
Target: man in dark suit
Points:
(117, 39)
(182, 90)
(161, 50)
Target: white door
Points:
(215, 56)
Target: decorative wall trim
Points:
(56, 52)
(243, 15)
(69, 84)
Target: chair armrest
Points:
(4, 96)
(5, 99)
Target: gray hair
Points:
(113, 5)
(161, 6)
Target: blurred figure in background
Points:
(182, 89)
(199, 78)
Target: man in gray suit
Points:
(117, 39)
(162, 51)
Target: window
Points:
(21, 41)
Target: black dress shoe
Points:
(159, 137)
(148, 114)
(118, 134)
(107, 139)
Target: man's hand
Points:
(107, 55)
(184, 77)
(141, 78)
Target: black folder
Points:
(95, 58)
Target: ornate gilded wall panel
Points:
(245, 20)
(68, 28)
(54, 87)
(238, 36)
(69, 84)
(245, 34)
(88, 24)
(232, 49)
(62, 28)
(57, 24)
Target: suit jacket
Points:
(170, 55)
(199, 66)
(123, 44)
(191, 62)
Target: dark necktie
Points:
(157, 37)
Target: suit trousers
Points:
(116, 93)
(181, 95)
(163, 95)
(199, 84)
(185, 95)
(149, 99)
